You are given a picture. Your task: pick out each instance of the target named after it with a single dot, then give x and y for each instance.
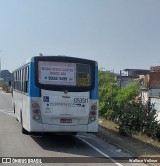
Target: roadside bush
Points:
(138, 118)
(122, 106)
(107, 92)
(110, 115)
(158, 132)
(126, 95)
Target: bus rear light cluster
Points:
(36, 112)
(92, 119)
(93, 113)
(37, 117)
(94, 107)
(35, 105)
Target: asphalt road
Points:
(82, 149)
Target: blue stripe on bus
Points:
(33, 89)
(94, 92)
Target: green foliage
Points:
(2, 84)
(138, 118)
(126, 95)
(105, 78)
(107, 92)
(121, 105)
(110, 114)
(111, 97)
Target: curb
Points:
(114, 139)
(111, 138)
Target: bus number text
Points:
(80, 100)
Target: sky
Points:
(118, 34)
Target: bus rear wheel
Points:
(24, 131)
(14, 109)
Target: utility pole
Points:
(120, 79)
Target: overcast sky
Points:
(118, 34)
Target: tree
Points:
(121, 106)
(107, 92)
(127, 94)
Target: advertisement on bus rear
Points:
(57, 73)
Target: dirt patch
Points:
(137, 146)
(131, 145)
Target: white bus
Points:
(56, 94)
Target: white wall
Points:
(156, 101)
(144, 96)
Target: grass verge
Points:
(138, 145)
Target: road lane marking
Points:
(99, 151)
(83, 136)
(8, 112)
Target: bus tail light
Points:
(36, 112)
(93, 113)
(35, 105)
(94, 107)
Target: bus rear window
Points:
(83, 75)
(60, 73)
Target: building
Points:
(151, 88)
(130, 76)
(151, 82)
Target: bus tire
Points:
(14, 109)
(74, 133)
(24, 131)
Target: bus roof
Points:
(31, 59)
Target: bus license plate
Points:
(66, 120)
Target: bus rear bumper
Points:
(67, 128)
(42, 127)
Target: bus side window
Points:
(18, 80)
(14, 80)
(26, 80)
(23, 80)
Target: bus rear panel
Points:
(62, 95)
